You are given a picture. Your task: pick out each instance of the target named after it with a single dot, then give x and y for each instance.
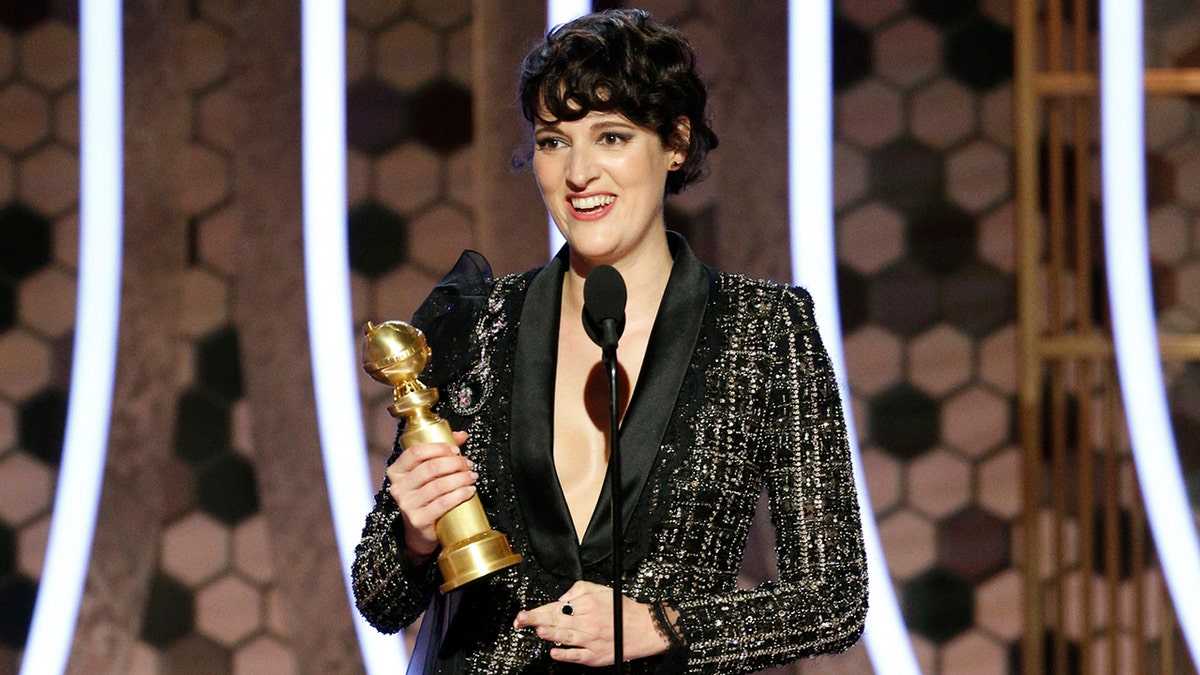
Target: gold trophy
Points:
(394, 353)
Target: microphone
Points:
(604, 306)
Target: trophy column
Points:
(394, 353)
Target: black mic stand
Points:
(604, 320)
(609, 358)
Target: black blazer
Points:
(736, 396)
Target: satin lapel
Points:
(668, 353)
(531, 446)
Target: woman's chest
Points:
(581, 416)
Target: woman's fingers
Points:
(427, 481)
(438, 495)
(421, 464)
(584, 633)
(580, 655)
(428, 470)
(418, 454)
(583, 598)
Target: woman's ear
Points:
(681, 140)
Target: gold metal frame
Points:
(1071, 421)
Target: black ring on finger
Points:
(567, 608)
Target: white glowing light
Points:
(559, 12)
(327, 287)
(93, 365)
(814, 266)
(1139, 363)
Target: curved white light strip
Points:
(814, 266)
(327, 287)
(1139, 363)
(93, 365)
(559, 12)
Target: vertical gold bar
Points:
(1081, 215)
(1088, 384)
(1056, 169)
(1054, 36)
(1112, 551)
(1055, 282)
(1137, 522)
(1168, 632)
(1080, 47)
(1025, 123)
(1081, 127)
(1058, 490)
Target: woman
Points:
(726, 391)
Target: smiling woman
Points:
(729, 392)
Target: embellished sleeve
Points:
(819, 603)
(390, 592)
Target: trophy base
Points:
(474, 558)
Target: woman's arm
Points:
(389, 590)
(819, 603)
(393, 570)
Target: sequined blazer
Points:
(736, 396)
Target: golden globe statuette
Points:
(394, 353)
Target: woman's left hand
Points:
(585, 636)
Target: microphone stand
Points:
(604, 299)
(614, 475)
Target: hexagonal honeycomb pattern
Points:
(925, 243)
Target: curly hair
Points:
(622, 61)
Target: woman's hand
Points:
(586, 634)
(428, 480)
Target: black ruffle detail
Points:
(448, 316)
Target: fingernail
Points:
(474, 476)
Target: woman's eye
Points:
(611, 138)
(549, 143)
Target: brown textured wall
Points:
(269, 311)
(125, 550)
(751, 165)
(508, 210)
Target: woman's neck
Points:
(645, 276)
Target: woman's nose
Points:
(581, 169)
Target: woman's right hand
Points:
(427, 481)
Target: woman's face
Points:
(602, 179)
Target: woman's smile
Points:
(591, 206)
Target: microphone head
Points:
(603, 300)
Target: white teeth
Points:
(593, 202)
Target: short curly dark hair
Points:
(621, 60)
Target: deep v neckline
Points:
(668, 351)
